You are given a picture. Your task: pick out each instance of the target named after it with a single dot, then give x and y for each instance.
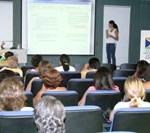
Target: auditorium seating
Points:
(105, 99)
(17, 122)
(29, 101)
(36, 86)
(111, 67)
(25, 68)
(119, 81)
(128, 66)
(83, 119)
(69, 75)
(90, 75)
(80, 85)
(132, 119)
(68, 98)
(29, 76)
(123, 72)
(147, 97)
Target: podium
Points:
(20, 53)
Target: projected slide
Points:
(56, 27)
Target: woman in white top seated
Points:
(64, 64)
(12, 96)
(134, 95)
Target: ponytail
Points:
(135, 102)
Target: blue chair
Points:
(25, 68)
(128, 66)
(68, 98)
(123, 72)
(147, 98)
(80, 85)
(29, 101)
(17, 122)
(36, 86)
(131, 119)
(105, 99)
(90, 75)
(83, 119)
(29, 76)
(69, 75)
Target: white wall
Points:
(6, 23)
(121, 15)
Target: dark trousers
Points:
(110, 50)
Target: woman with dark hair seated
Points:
(102, 81)
(64, 61)
(51, 82)
(92, 66)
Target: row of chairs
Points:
(69, 75)
(105, 99)
(85, 119)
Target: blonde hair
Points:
(134, 91)
(11, 94)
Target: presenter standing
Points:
(112, 35)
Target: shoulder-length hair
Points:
(11, 94)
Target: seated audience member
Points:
(12, 95)
(42, 65)
(35, 60)
(93, 65)
(141, 68)
(13, 65)
(64, 64)
(6, 55)
(134, 94)
(146, 76)
(6, 74)
(51, 82)
(50, 115)
(102, 81)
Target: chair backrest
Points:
(147, 98)
(80, 85)
(68, 98)
(69, 75)
(83, 119)
(29, 76)
(25, 68)
(90, 75)
(105, 99)
(123, 72)
(119, 81)
(111, 67)
(36, 86)
(128, 66)
(17, 122)
(132, 119)
(29, 101)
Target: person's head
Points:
(134, 90)
(51, 78)
(50, 115)
(146, 74)
(12, 61)
(42, 65)
(6, 74)
(111, 24)
(141, 67)
(103, 79)
(94, 63)
(65, 60)
(8, 54)
(36, 59)
(11, 94)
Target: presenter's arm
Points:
(107, 33)
(116, 37)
